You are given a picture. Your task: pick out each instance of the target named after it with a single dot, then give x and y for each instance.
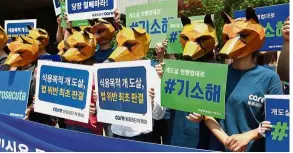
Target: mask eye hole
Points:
(79, 47)
(129, 45)
(243, 35)
(40, 39)
(100, 30)
(184, 37)
(225, 38)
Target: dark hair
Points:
(255, 57)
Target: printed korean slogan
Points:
(174, 29)
(89, 9)
(277, 112)
(14, 92)
(63, 90)
(57, 7)
(153, 17)
(272, 19)
(55, 58)
(76, 23)
(195, 87)
(18, 135)
(123, 97)
(15, 28)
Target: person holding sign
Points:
(133, 47)
(80, 49)
(283, 63)
(246, 86)
(199, 47)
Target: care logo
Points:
(256, 101)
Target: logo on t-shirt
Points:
(256, 101)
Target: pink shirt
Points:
(93, 124)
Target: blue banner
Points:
(63, 86)
(57, 3)
(123, 89)
(17, 29)
(14, 92)
(277, 112)
(272, 19)
(81, 6)
(55, 58)
(20, 135)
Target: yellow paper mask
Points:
(242, 37)
(103, 30)
(61, 48)
(133, 44)
(40, 35)
(197, 38)
(3, 38)
(23, 51)
(79, 46)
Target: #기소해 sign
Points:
(272, 19)
(195, 87)
(174, 30)
(14, 92)
(15, 28)
(63, 90)
(153, 17)
(123, 93)
(89, 9)
(277, 110)
(57, 7)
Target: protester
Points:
(103, 32)
(128, 51)
(182, 132)
(283, 64)
(247, 83)
(161, 127)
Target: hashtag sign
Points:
(173, 36)
(170, 86)
(280, 131)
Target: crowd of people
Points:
(250, 74)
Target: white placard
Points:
(74, 106)
(88, 9)
(128, 112)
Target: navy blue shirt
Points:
(102, 55)
(245, 103)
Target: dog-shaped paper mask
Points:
(40, 35)
(79, 46)
(102, 30)
(197, 38)
(133, 44)
(23, 51)
(242, 37)
(3, 38)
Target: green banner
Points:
(80, 23)
(153, 17)
(174, 29)
(195, 87)
(63, 10)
